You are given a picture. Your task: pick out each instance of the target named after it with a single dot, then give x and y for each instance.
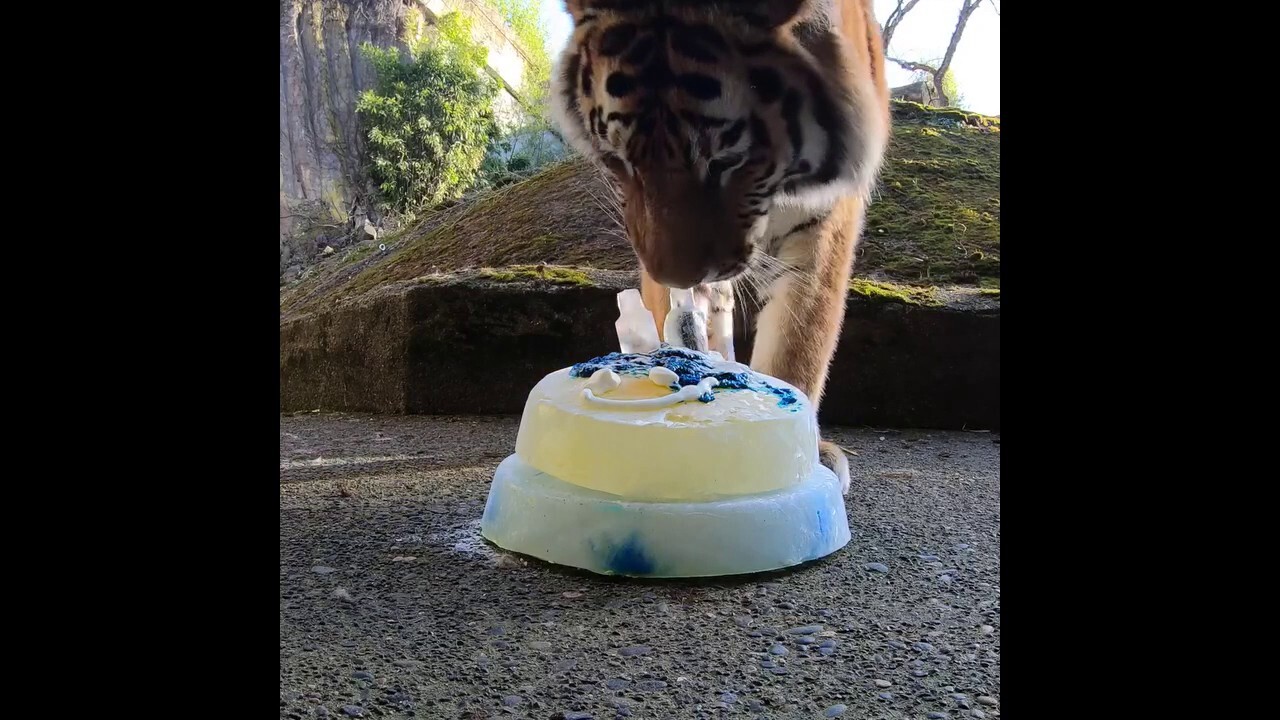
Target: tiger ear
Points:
(576, 8)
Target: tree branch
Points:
(895, 18)
(914, 66)
(966, 9)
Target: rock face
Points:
(321, 74)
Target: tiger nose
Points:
(675, 276)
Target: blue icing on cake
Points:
(690, 368)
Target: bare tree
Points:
(938, 72)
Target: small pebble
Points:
(353, 711)
(876, 567)
(635, 650)
(882, 683)
(937, 716)
(920, 673)
(322, 712)
(805, 630)
(512, 700)
(929, 558)
(885, 695)
(827, 644)
(779, 671)
(768, 664)
(986, 629)
(729, 698)
(651, 685)
(897, 645)
(805, 640)
(945, 579)
(362, 675)
(962, 546)
(578, 716)
(616, 683)
(977, 713)
(835, 711)
(987, 700)
(742, 621)
(323, 569)
(923, 647)
(777, 650)
(786, 605)
(540, 645)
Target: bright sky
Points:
(922, 36)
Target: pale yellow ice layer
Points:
(739, 443)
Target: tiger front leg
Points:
(799, 326)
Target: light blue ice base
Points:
(532, 513)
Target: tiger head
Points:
(706, 114)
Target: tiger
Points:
(742, 140)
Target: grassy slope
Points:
(934, 221)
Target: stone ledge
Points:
(469, 343)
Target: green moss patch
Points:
(881, 291)
(935, 219)
(536, 273)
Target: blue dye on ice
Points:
(629, 558)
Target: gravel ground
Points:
(392, 606)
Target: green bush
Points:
(429, 120)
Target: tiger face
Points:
(706, 115)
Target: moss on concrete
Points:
(936, 217)
(881, 291)
(538, 273)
